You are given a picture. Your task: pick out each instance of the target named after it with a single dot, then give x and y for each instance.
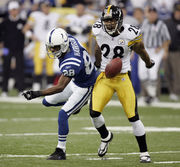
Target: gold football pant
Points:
(104, 89)
(39, 62)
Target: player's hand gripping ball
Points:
(113, 67)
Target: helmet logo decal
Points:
(108, 10)
(65, 40)
(51, 35)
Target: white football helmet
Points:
(57, 42)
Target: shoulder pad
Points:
(132, 31)
(133, 34)
(35, 14)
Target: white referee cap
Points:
(13, 5)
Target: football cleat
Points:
(59, 154)
(104, 146)
(145, 157)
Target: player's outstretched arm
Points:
(140, 50)
(62, 83)
(97, 62)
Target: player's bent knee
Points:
(134, 119)
(45, 103)
(94, 114)
(138, 128)
(62, 116)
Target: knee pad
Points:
(94, 114)
(98, 121)
(62, 115)
(138, 128)
(134, 119)
(45, 103)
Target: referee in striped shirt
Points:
(156, 40)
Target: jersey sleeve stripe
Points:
(31, 20)
(135, 40)
(69, 63)
(92, 35)
(73, 59)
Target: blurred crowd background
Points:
(25, 23)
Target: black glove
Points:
(151, 65)
(97, 66)
(31, 94)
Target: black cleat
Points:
(59, 154)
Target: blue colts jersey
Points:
(77, 64)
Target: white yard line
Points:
(115, 129)
(104, 158)
(46, 119)
(76, 118)
(147, 129)
(92, 154)
(167, 162)
(56, 119)
(111, 103)
(46, 134)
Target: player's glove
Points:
(31, 94)
(151, 65)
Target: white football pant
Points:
(74, 96)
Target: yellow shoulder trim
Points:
(31, 19)
(135, 40)
(92, 35)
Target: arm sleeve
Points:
(165, 33)
(1, 31)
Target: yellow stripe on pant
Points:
(104, 89)
(39, 62)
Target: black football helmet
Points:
(113, 14)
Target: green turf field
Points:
(28, 136)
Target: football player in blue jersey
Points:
(74, 85)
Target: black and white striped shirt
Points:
(154, 35)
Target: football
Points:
(113, 67)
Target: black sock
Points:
(142, 143)
(103, 131)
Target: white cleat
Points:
(104, 145)
(145, 157)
